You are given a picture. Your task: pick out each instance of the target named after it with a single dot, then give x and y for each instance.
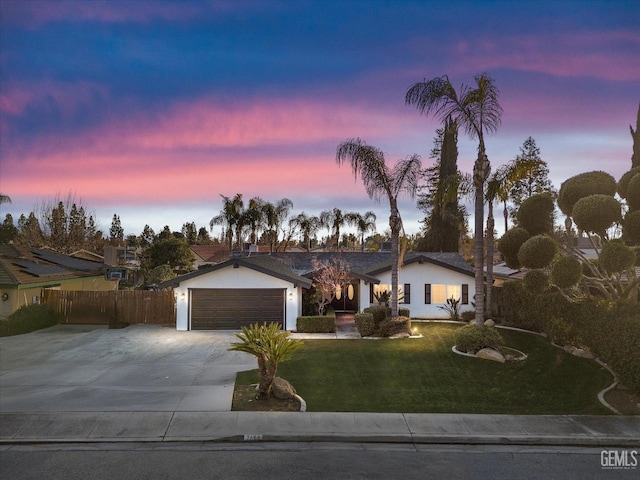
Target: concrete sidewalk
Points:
(66, 427)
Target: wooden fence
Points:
(104, 308)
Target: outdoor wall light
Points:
(182, 296)
(5, 297)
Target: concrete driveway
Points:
(146, 368)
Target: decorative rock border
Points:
(522, 356)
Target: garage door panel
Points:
(231, 309)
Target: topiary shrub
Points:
(561, 332)
(471, 338)
(623, 184)
(467, 316)
(365, 324)
(616, 257)
(596, 213)
(535, 214)
(633, 193)
(381, 312)
(538, 251)
(583, 185)
(316, 324)
(28, 318)
(566, 272)
(631, 227)
(536, 281)
(509, 245)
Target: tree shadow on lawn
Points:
(422, 375)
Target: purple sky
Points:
(152, 109)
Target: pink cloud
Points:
(606, 55)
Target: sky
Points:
(153, 109)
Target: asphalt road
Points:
(309, 461)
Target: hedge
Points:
(27, 319)
(366, 325)
(316, 324)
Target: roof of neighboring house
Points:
(24, 267)
(264, 264)
(211, 253)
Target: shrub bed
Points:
(366, 325)
(316, 324)
(393, 326)
(27, 319)
(471, 338)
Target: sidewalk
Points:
(569, 430)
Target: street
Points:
(308, 461)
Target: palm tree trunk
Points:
(394, 223)
(481, 171)
(490, 243)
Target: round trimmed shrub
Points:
(584, 185)
(631, 227)
(623, 184)
(536, 281)
(596, 213)
(616, 257)
(566, 272)
(633, 193)
(538, 251)
(510, 243)
(535, 214)
(471, 338)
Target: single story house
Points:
(270, 287)
(25, 273)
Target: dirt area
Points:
(244, 400)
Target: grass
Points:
(424, 376)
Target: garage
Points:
(233, 308)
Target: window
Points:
(404, 292)
(439, 293)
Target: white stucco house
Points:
(270, 287)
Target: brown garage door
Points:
(231, 309)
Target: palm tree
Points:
(498, 188)
(253, 218)
(4, 198)
(230, 217)
(381, 181)
(363, 223)
(275, 215)
(308, 227)
(478, 111)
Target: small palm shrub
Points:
(472, 338)
(452, 307)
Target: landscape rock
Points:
(489, 323)
(582, 353)
(282, 389)
(490, 354)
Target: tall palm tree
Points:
(498, 188)
(308, 226)
(477, 110)
(230, 217)
(363, 223)
(381, 181)
(275, 216)
(253, 218)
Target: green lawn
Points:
(424, 376)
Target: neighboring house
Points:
(25, 273)
(206, 255)
(256, 288)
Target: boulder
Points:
(490, 354)
(282, 389)
(582, 353)
(489, 323)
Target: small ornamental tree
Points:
(510, 243)
(596, 213)
(535, 214)
(583, 185)
(328, 277)
(566, 272)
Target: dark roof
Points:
(369, 264)
(260, 263)
(24, 267)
